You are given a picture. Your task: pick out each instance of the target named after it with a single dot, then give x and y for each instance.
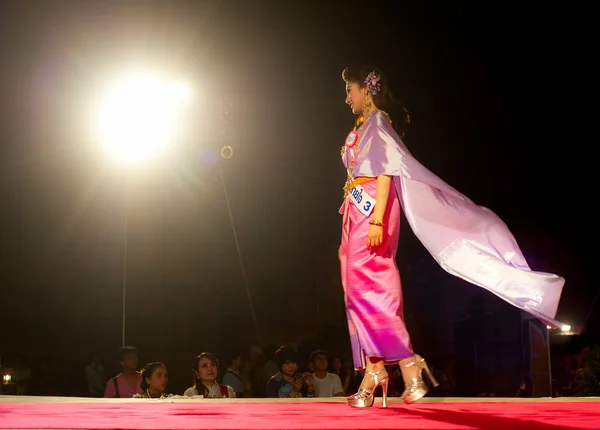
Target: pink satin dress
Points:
(372, 286)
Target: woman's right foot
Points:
(365, 396)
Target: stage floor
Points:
(19, 412)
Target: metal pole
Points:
(549, 362)
(239, 252)
(124, 280)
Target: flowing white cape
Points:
(467, 240)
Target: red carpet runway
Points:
(179, 413)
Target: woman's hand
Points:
(382, 192)
(375, 236)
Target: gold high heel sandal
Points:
(365, 398)
(416, 388)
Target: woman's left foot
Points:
(416, 388)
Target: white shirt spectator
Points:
(329, 386)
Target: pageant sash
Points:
(362, 200)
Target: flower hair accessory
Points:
(372, 83)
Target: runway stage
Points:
(20, 412)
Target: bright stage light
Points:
(565, 328)
(139, 117)
(181, 92)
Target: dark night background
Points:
(497, 94)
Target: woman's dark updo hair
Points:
(200, 387)
(384, 99)
(149, 371)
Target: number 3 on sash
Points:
(362, 200)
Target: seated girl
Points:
(154, 381)
(206, 371)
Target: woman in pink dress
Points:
(466, 240)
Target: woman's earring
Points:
(367, 102)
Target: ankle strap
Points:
(414, 362)
(376, 374)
